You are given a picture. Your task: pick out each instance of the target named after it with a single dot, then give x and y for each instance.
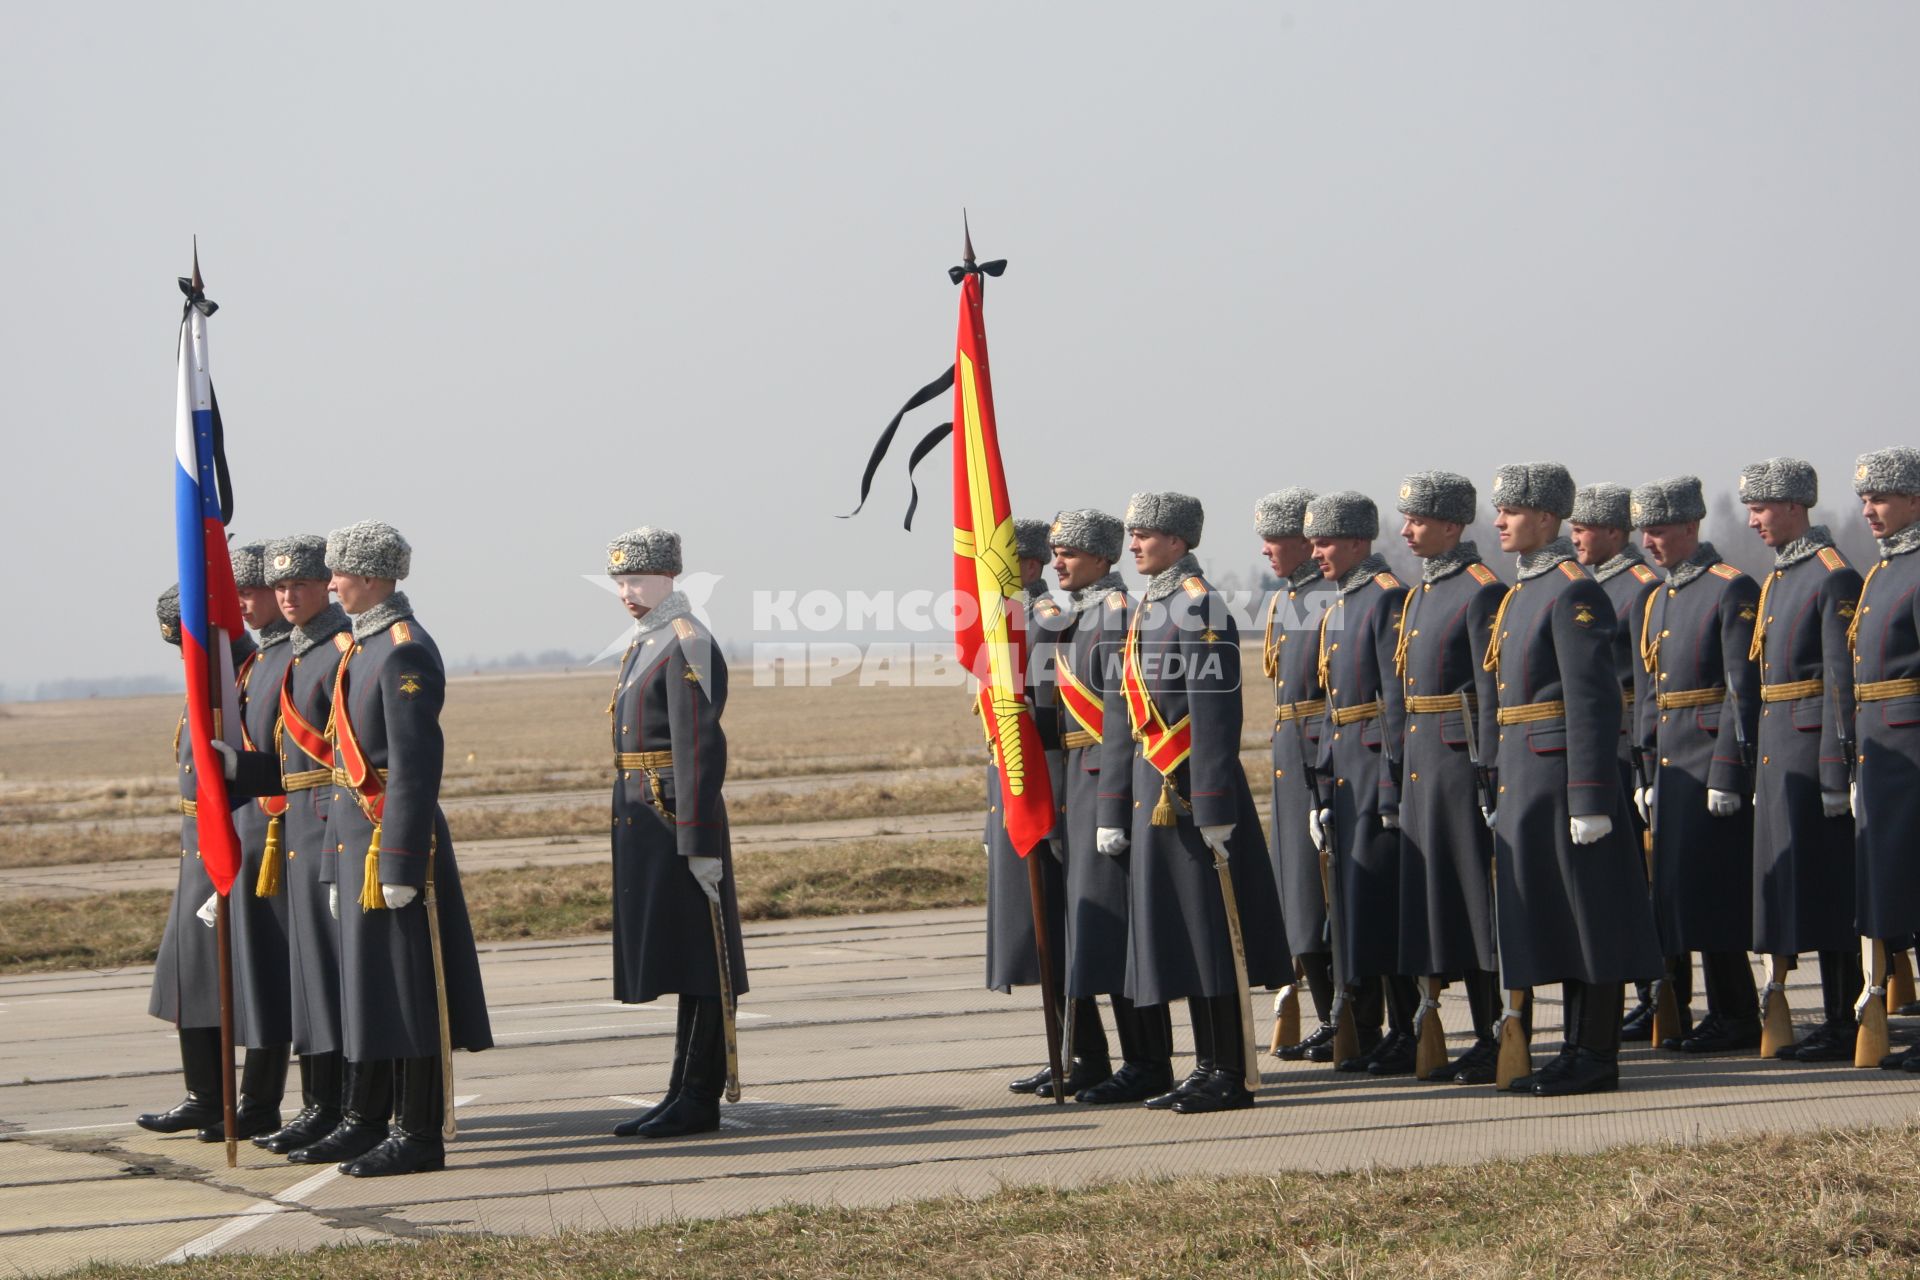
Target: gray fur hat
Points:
(1675, 500)
(1887, 471)
(249, 570)
(1094, 532)
(1537, 486)
(1169, 512)
(1030, 540)
(1278, 515)
(644, 550)
(370, 549)
(303, 556)
(1608, 505)
(1344, 513)
(168, 611)
(1438, 495)
(1780, 480)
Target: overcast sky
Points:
(518, 278)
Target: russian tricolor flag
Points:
(209, 604)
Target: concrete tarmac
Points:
(875, 1071)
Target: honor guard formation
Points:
(1577, 766)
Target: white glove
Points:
(398, 895)
(1853, 798)
(229, 759)
(1111, 840)
(1216, 838)
(209, 910)
(1318, 820)
(708, 872)
(1589, 830)
(1722, 804)
(1643, 801)
(1058, 849)
(333, 901)
(1390, 821)
(1835, 804)
(1492, 816)
(986, 847)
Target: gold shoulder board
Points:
(1117, 600)
(1194, 587)
(1572, 570)
(683, 628)
(1724, 570)
(1832, 559)
(1483, 575)
(1643, 574)
(343, 640)
(1386, 580)
(402, 633)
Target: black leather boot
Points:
(1639, 1021)
(1833, 1039)
(1595, 1064)
(1200, 1014)
(1033, 1083)
(263, 1083)
(1572, 995)
(200, 1064)
(1732, 1024)
(1090, 1064)
(678, 1073)
(1680, 980)
(1146, 1056)
(697, 1109)
(414, 1144)
(1225, 1088)
(363, 1119)
(320, 1092)
(1394, 1055)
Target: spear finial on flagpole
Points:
(967, 255)
(198, 284)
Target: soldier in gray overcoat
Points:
(1446, 848)
(1192, 810)
(186, 971)
(391, 862)
(1360, 766)
(1571, 897)
(1290, 658)
(1012, 958)
(1602, 527)
(321, 637)
(1886, 670)
(1802, 828)
(672, 850)
(1094, 729)
(258, 911)
(1704, 689)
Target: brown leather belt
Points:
(1792, 690)
(654, 761)
(1304, 710)
(1691, 698)
(1881, 690)
(1357, 712)
(1428, 704)
(306, 780)
(1074, 738)
(1532, 712)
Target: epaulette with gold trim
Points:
(1483, 575)
(343, 640)
(1116, 600)
(1724, 570)
(402, 633)
(1832, 558)
(1047, 609)
(1643, 574)
(684, 629)
(1572, 570)
(1194, 587)
(1386, 580)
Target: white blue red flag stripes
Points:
(209, 604)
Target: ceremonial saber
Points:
(1250, 1054)
(724, 966)
(431, 902)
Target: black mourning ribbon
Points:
(939, 386)
(197, 300)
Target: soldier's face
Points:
(358, 594)
(1889, 513)
(258, 606)
(1524, 529)
(1671, 544)
(639, 592)
(1777, 523)
(1336, 556)
(1595, 544)
(1076, 568)
(1284, 555)
(1428, 538)
(300, 599)
(1031, 570)
(1155, 549)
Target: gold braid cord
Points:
(1860, 611)
(1649, 641)
(1270, 652)
(1400, 644)
(1492, 661)
(1755, 649)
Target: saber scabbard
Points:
(1250, 1055)
(724, 966)
(430, 901)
